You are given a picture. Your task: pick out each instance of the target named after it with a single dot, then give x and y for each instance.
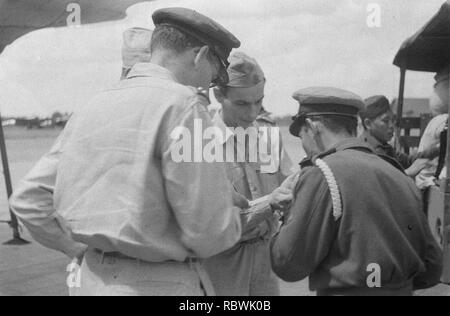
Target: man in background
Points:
(135, 48)
(435, 135)
(356, 225)
(245, 269)
(109, 188)
(378, 121)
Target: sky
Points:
(297, 43)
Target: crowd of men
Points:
(110, 195)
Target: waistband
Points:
(193, 263)
(119, 255)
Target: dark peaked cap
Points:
(320, 101)
(200, 27)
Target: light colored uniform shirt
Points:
(32, 202)
(431, 138)
(245, 269)
(110, 181)
(254, 182)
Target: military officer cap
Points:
(200, 27)
(244, 71)
(374, 107)
(324, 101)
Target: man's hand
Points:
(240, 201)
(281, 198)
(417, 167)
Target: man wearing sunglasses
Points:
(109, 190)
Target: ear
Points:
(219, 95)
(367, 123)
(202, 53)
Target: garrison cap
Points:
(375, 106)
(325, 101)
(244, 71)
(200, 27)
(136, 46)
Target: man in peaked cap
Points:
(245, 270)
(356, 225)
(109, 191)
(216, 38)
(135, 48)
(378, 121)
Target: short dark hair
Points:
(339, 124)
(170, 38)
(363, 123)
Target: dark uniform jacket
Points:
(382, 223)
(387, 150)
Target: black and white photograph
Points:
(224, 152)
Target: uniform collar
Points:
(350, 143)
(266, 116)
(151, 70)
(224, 129)
(218, 122)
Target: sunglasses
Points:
(222, 78)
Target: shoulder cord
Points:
(333, 186)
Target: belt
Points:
(192, 262)
(119, 255)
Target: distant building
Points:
(8, 121)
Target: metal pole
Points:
(17, 239)
(401, 98)
(446, 230)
